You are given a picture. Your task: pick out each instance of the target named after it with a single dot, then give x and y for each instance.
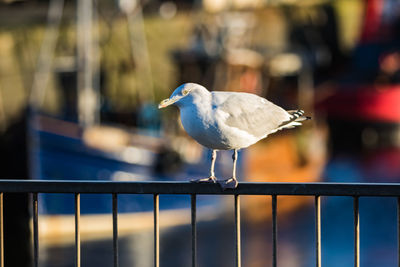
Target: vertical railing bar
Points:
(237, 224)
(318, 230)
(194, 230)
(156, 231)
(1, 231)
(398, 231)
(356, 232)
(35, 229)
(115, 227)
(77, 230)
(274, 231)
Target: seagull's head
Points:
(183, 94)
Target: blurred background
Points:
(80, 82)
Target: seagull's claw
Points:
(230, 183)
(208, 180)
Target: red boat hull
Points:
(366, 103)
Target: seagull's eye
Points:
(185, 91)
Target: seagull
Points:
(222, 120)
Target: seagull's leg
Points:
(234, 158)
(213, 159)
(231, 182)
(212, 178)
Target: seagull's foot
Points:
(208, 180)
(230, 183)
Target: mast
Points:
(87, 65)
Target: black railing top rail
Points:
(245, 188)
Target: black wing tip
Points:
(297, 114)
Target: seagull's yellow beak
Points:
(167, 102)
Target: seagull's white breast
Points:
(207, 126)
(200, 125)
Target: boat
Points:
(362, 104)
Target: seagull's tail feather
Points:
(296, 117)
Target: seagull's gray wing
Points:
(251, 113)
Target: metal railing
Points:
(354, 190)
